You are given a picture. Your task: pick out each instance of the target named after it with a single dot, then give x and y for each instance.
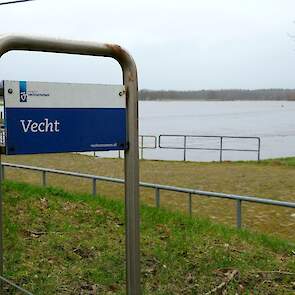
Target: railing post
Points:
(221, 148)
(157, 197)
(141, 147)
(258, 154)
(119, 154)
(184, 148)
(2, 172)
(44, 183)
(190, 207)
(239, 213)
(94, 186)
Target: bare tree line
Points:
(224, 94)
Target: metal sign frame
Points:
(31, 43)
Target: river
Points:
(272, 121)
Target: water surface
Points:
(272, 121)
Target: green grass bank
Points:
(273, 179)
(64, 243)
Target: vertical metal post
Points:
(119, 154)
(44, 182)
(141, 147)
(258, 154)
(131, 160)
(94, 186)
(221, 148)
(1, 228)
(157, 197)
(184, 148)
(239, 213)
(190, 207)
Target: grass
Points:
(63, 243)
(267, 179)
(289, 161)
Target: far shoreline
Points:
(211, 100)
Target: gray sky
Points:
(186, 45)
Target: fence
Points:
(219, 141)
(152, 142)
(143, 144)
(157, 189)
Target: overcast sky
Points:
(182, 45)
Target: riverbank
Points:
(61, 243)
(269, 179)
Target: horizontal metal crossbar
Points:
(15, 286)
(209, 136)
(208, 149)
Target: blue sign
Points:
(55, 117)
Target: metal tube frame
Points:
(1, 226)
(30, 43)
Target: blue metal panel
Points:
(51, 130)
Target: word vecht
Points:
(44, 126)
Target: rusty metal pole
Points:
(29, 43)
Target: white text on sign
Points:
(44, 126)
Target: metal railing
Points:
(17, 287)
(142, 145)
(220, 141)
(157, 189)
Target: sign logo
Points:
(23, 96)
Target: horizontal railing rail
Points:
(22, 290)
(142, 146)
(184, 146)
(157, 188)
